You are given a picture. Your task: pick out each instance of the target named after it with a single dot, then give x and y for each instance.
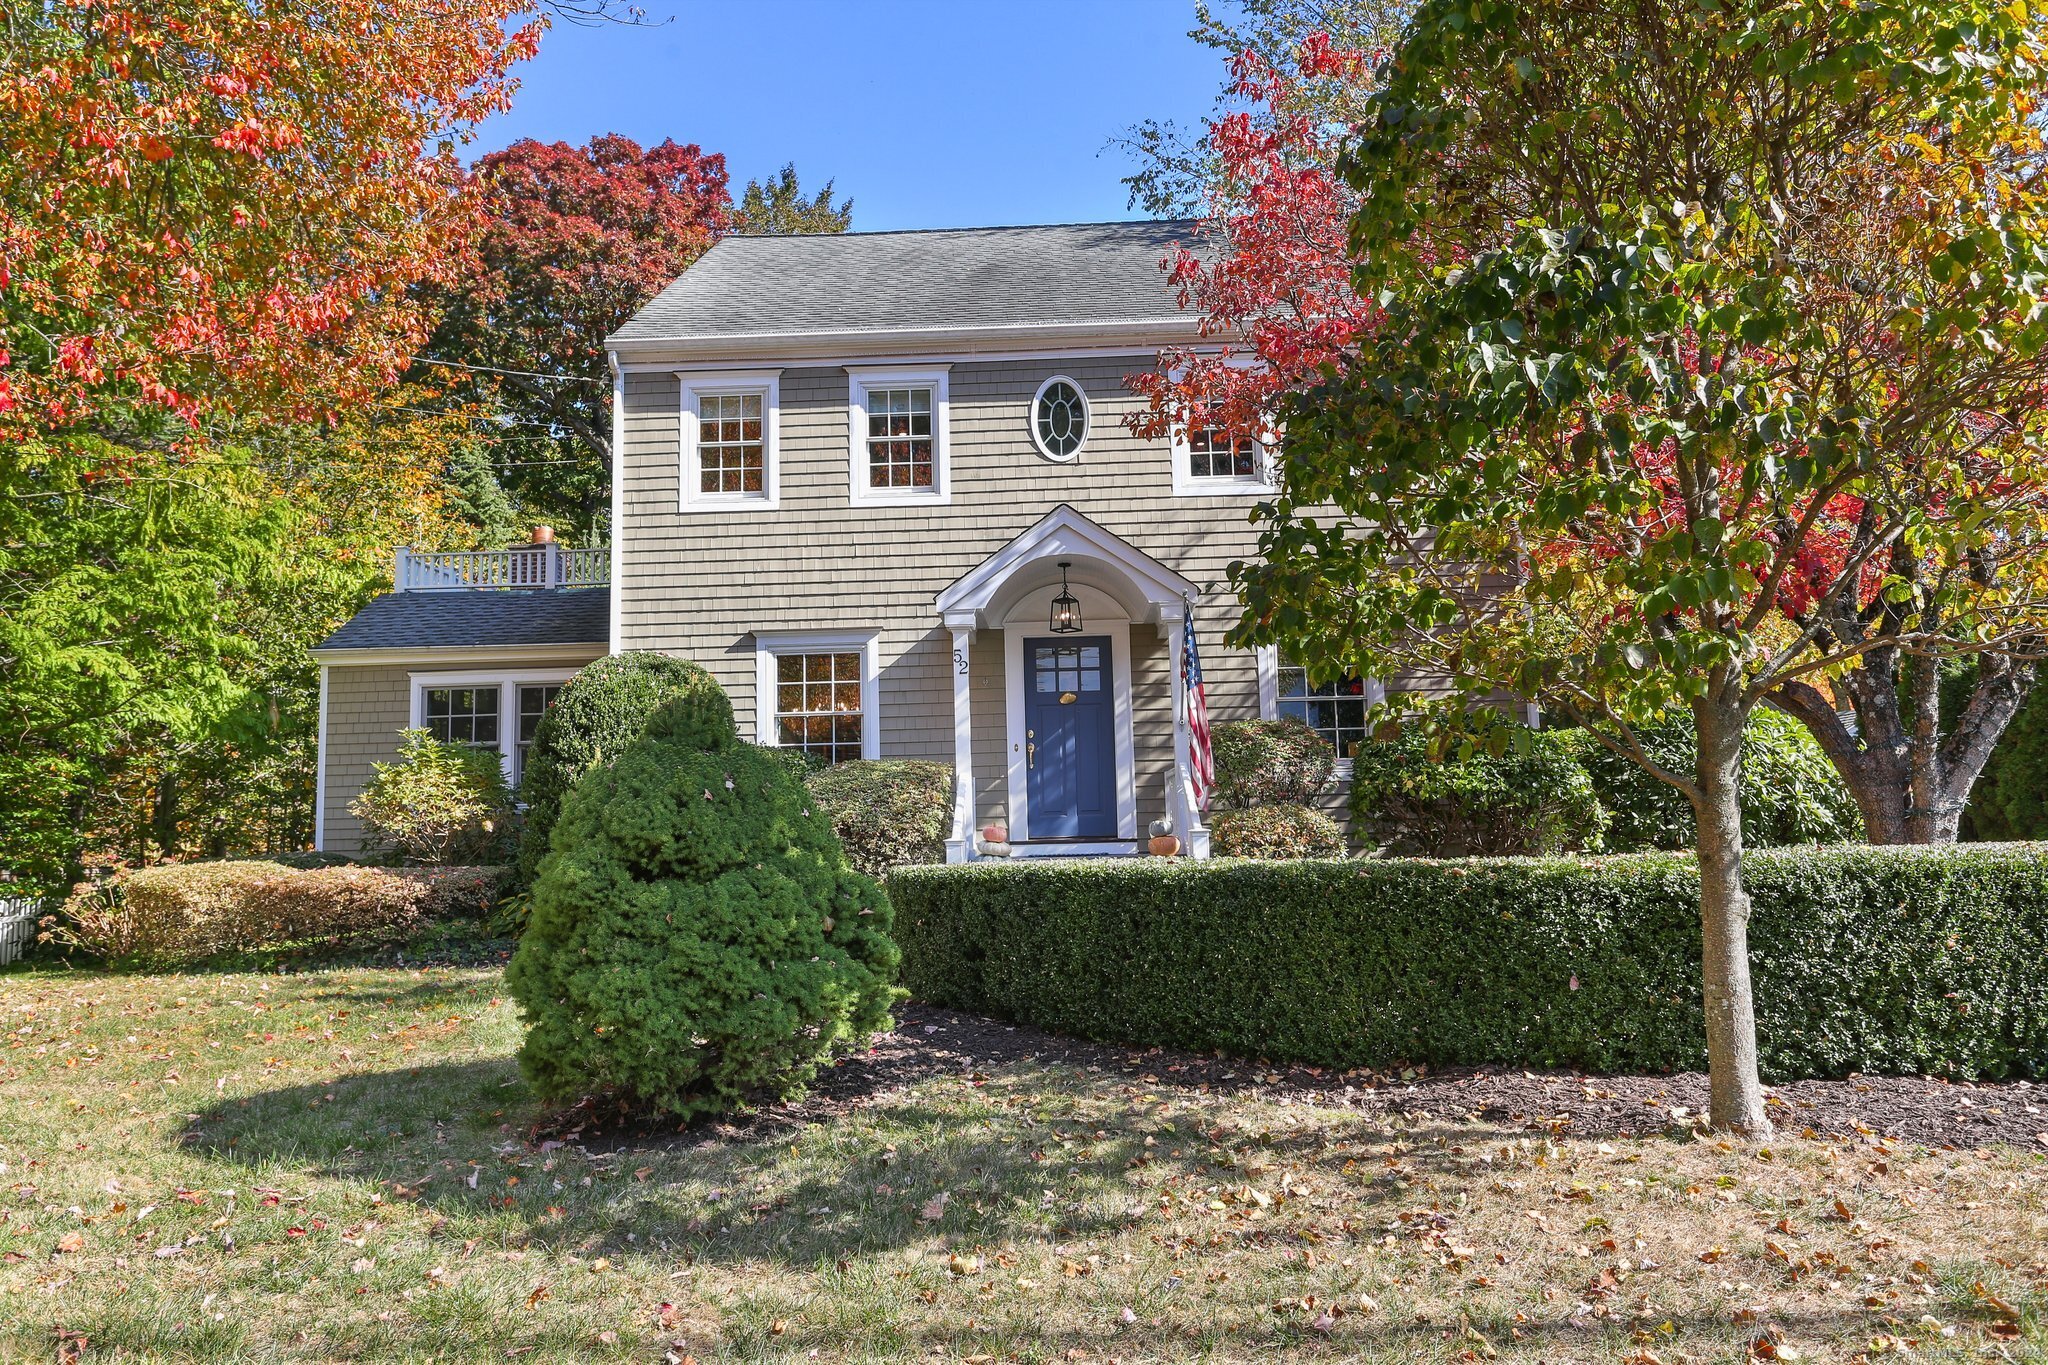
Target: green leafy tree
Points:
(1689, 320)
(779, 206)
(118, 626)
(696, 937)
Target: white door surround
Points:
(1119, 587)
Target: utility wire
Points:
(517, 374)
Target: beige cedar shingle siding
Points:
(697, 583)
(368, 706)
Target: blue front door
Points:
(1070, 738)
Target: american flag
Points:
(1195, 704)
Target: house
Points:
(882, 487)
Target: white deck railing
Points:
(18, 919)
(528, 566)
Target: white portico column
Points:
(960, 843)
(1180, 796)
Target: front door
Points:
(1070, 738)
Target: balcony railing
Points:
(528, 566)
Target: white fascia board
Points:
(461, 654)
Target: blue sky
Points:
(930, 113)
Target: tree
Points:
(570, 243)
(1272, 279)
(203, 208)
(779, 206)
(1668, 301)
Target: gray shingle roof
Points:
(478, 616)
(933, 280)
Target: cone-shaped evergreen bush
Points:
(597, 714)
(696, 935)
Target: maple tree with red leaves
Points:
(204, 205)
(569, 242)
(1273, 282)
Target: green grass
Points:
(332, 1165)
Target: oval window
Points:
(1059, 419)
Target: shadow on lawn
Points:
(1013, 1149)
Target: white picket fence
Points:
(18, 916)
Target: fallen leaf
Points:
(935, 1208)
(71, 1241)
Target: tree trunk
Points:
(1736, 1096)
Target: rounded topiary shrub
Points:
(1270, 762)
(1275, 832)
(696, 936)
(595, 716)
(888, 812)
(1412, 795)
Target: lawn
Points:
(340, 1165)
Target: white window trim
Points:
(770, 644)
(1269, 698)
(1186, 484)
(507, 684)
(1087, 419)
(863, 379)
(698, 385)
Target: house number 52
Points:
(960, 662)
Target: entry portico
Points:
(1070, 739)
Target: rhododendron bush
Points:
(1705, 369)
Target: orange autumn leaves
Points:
(204, 208)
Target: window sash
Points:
(900, 439)
(732, 444)
(462, 715)
(818, 704)
(534, 701)
(1212, 455)
(1336, 710)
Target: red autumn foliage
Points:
(204, 205)
(1274, 291)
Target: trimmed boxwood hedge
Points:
(1873, 960)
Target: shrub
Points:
(1534, 798)
(800, 762)
(1270, 763)
(437, 803)
(696, 933)
(1275, 832)
(187, 912)
(2010, 800)
(887, 812)
(1932, 957)
(595, 716)
(1791, 793)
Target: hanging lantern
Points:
(1066, 608)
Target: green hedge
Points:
(1865, 959)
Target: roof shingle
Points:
(472, 617)
(938, 280)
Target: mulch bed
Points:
(931, 1042)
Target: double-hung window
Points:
(1208, 460)
(731, 436)
(499, 712)
(897, 437)
(1335, 710)
(815, 691)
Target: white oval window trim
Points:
(1087, 419)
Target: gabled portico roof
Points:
(1149, 592)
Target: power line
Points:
(518, 374)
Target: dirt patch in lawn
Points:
(930, 1042)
